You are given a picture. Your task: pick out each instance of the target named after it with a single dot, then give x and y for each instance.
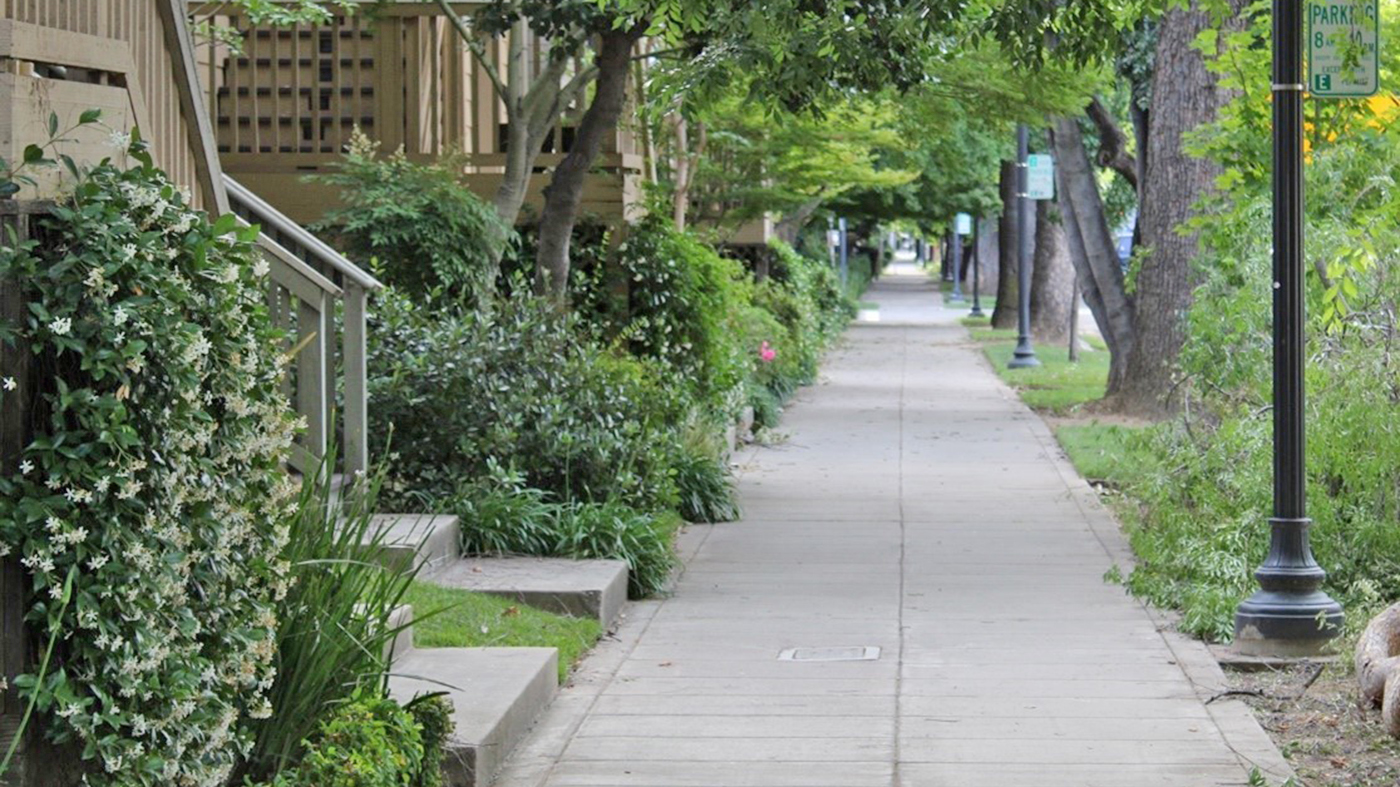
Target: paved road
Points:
(920, 509)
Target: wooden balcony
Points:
(285, 106)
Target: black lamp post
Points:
(1025, 354)
(976, 267)
(1289, 614)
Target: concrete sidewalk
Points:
(921, 509)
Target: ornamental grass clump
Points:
(153, 483)
(335, 623)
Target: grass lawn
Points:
(1057, 386)
(1102, 452)
(474, 620)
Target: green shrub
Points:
(706, 491)
(682, 307)
(767, 407)
(702, 476)
(433, 713)
(149, 509)
(365, 743)
(525, 387)
(424, 228)
(814, 282)
(504, 516)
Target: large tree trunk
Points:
(986, 258)
(1185, 95)
(1008, 257)
(1052, 282)
(1092, 249)
(564, 195)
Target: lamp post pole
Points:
(1024, 356)
(976, 267)
(1289, 615)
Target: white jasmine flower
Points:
(26, 467)
(119, 317)
(61, 326)
(129, 250)
(119, 140)
(9, 384)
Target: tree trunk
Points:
(681, 204)
(1185, 95)
(564, 195)
(1052, 282)
(987, 256)
(1004, 315)
(1092, 249)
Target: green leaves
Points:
(159, 371)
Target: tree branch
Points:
(1113, 143)
(577, 84)
(475, 46)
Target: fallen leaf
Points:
(510, 612)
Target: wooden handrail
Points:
(244, 200)
(294, 275)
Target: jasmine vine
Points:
(155, 471)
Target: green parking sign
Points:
(1344, 43)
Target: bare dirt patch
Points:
(1311, 713)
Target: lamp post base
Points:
(1289, 615)
(976, 312)
(1292, 628)
(1024, 357)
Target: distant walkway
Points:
(917, 508)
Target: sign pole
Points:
(1025, 354)
(1289, 615)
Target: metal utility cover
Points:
(830, 654)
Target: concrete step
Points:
(580, 588)
(423, 541)
(402, 643)
(496, 693)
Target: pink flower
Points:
(766, 353)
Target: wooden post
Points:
(313, 321)
(355, 446)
